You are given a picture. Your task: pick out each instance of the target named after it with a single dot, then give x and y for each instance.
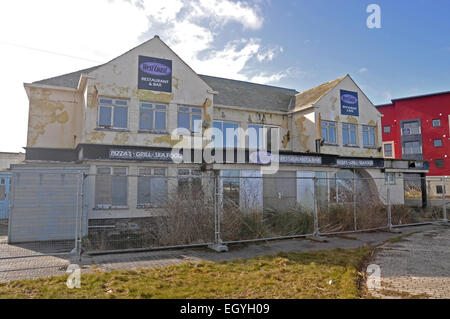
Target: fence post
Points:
(388, 199)
(217, 245)
(80, 237)
(354, 202)
(316, 232)
(77, 212)
(444, 200)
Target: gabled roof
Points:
(310, 97)
(250, 95)
(69, 80)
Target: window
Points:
(439, 163)
(439, 189)
(329, 132)
(437, 143)
(111, 186)
(369, 136)
(349, 134)
(190, 118)
(112, 113)
(226, 128)
(389, 178)
(152, 117)
(436, 123)
(387, 147)
(189, 182)
(411, 128)
(262, 136)
(412, 148)
(387, 129)
(152, 187)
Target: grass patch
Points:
(284, 275)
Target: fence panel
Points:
(254, 207)
(417, 207)
(170, 211)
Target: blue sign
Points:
(349, 103)
(155, 74)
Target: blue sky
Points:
(292, 43)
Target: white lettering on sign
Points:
(354, 162)
(143, 155)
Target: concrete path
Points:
(416, 266)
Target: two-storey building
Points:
(116, 121)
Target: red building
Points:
(417, 127)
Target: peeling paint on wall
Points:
(43, 112)
(121, 138)
(155, 97)
(176, 81)
(167, 139)
(302, 130)
(95, 137)
(352, 120)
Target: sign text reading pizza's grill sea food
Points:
(355, 163)
(142, 155)
(349, 103)
(155, 74)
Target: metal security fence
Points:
(64, 214)
(151, 210)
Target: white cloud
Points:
(363, 70)
(103, 29)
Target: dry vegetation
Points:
(317, 274)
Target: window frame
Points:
(441, 191)
(441, 160)
(392, 149)
(410, 142)
(112, 107)
(199, 111)
(224, 145)
(153, 175)
(111, 174)
(326, 124)
(435, 140)
(389, 178)
(266, 142)
(368, 129)
(349, 125)
(432, 123)
(154, 109)
(411, 133)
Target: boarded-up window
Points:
(111, 187)
(152, 187)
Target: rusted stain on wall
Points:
(43, 112)
(155, 97)
(167, 139)
(95, 137)
(352, 120)
(175, 82)
(93, 97)
(302, 132)
(121, 138)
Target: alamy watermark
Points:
(374, 19)
(74, 279)
(374, 277)
(217, 146)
